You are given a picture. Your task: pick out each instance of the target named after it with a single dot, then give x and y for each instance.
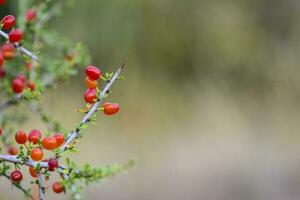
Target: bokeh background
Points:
(210, 105)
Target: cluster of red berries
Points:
(20, 83)
(8, 50)
(37, 154)
(90, 96)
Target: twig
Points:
(41, 188)
(19, 186)
(21, 48)
(14, 159)
(75, 133)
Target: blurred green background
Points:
(210, 104)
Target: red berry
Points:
(0, 131)
(17, 85)
(1, 59)
(30, 15)
(22, 78)
(49, 143)
(90, 95)
(36, 154)
(16, 176)
(93, 72)
(31, 85)
(13, 150)
(34, 136)
(59, 139)
(2, 2)
(21, 137)
(8, 21)
(91, 83)
(57, 187)
(52, 164)
(33, 173)
(8, 50)
(111, 108)
(15, 35)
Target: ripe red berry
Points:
(17, 85)
(111, 108)
(57, 187)
(59, 139)
(93, 72)
(12, 150)
(15, 35)
(16, 176)
(36, 154)
(0, 131)
(30, 15)
(31, 85)
(91, 83)
(8, 21)
(1, 59)
(49, 143)
(33, 173)
(2, 2)
(90, 95)
(8, 50)
(52, 164)
(34, 136)
(21, 137)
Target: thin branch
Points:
(75, 133)
(21, 48)
(14, 159)
(19, 186)
(41, 188)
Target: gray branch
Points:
(41, 188)
(14, 159)
(21, 48)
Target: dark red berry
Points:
(52, 164)
(111, 108)
(8, 21)
(16, 176)
(21, 137)
(90, 95)
(34, 136)
(30, 15)
(15, 35)
(17, 85)
(1, 131)
(93, 72)
(57, 187)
